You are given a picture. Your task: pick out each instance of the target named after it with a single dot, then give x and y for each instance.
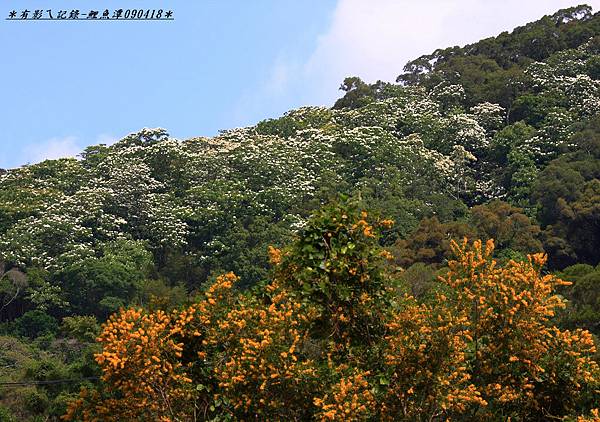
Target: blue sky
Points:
(219, 64)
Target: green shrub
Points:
(36, 400)
(83, 328)
(35, 323)
(6, 415)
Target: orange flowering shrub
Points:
(146, 364)
(258, 362)
(426, 361)
(141, 361)
(329, 338)
(520, 363)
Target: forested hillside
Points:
(495, 140)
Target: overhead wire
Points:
(46, 382)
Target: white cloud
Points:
(54, 148)
(374, 40)
(279, 77)
(273, 94)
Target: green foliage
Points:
(45, 370)
(532, 108)
(583, 296)
(83, 328)
(333, 241)
(35, 401)
(508, 139)
(103, 285)
(567, 193)
(42, 293)
(429, 243)
(58, 406)
(358, 93)
(283, 127)
(6, 415)
(155, 294)
(507, 225)
(35, 323)
(419, 279)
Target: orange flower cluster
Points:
(350, 399)
(594, 417)
(274, 255)
(364, 226)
